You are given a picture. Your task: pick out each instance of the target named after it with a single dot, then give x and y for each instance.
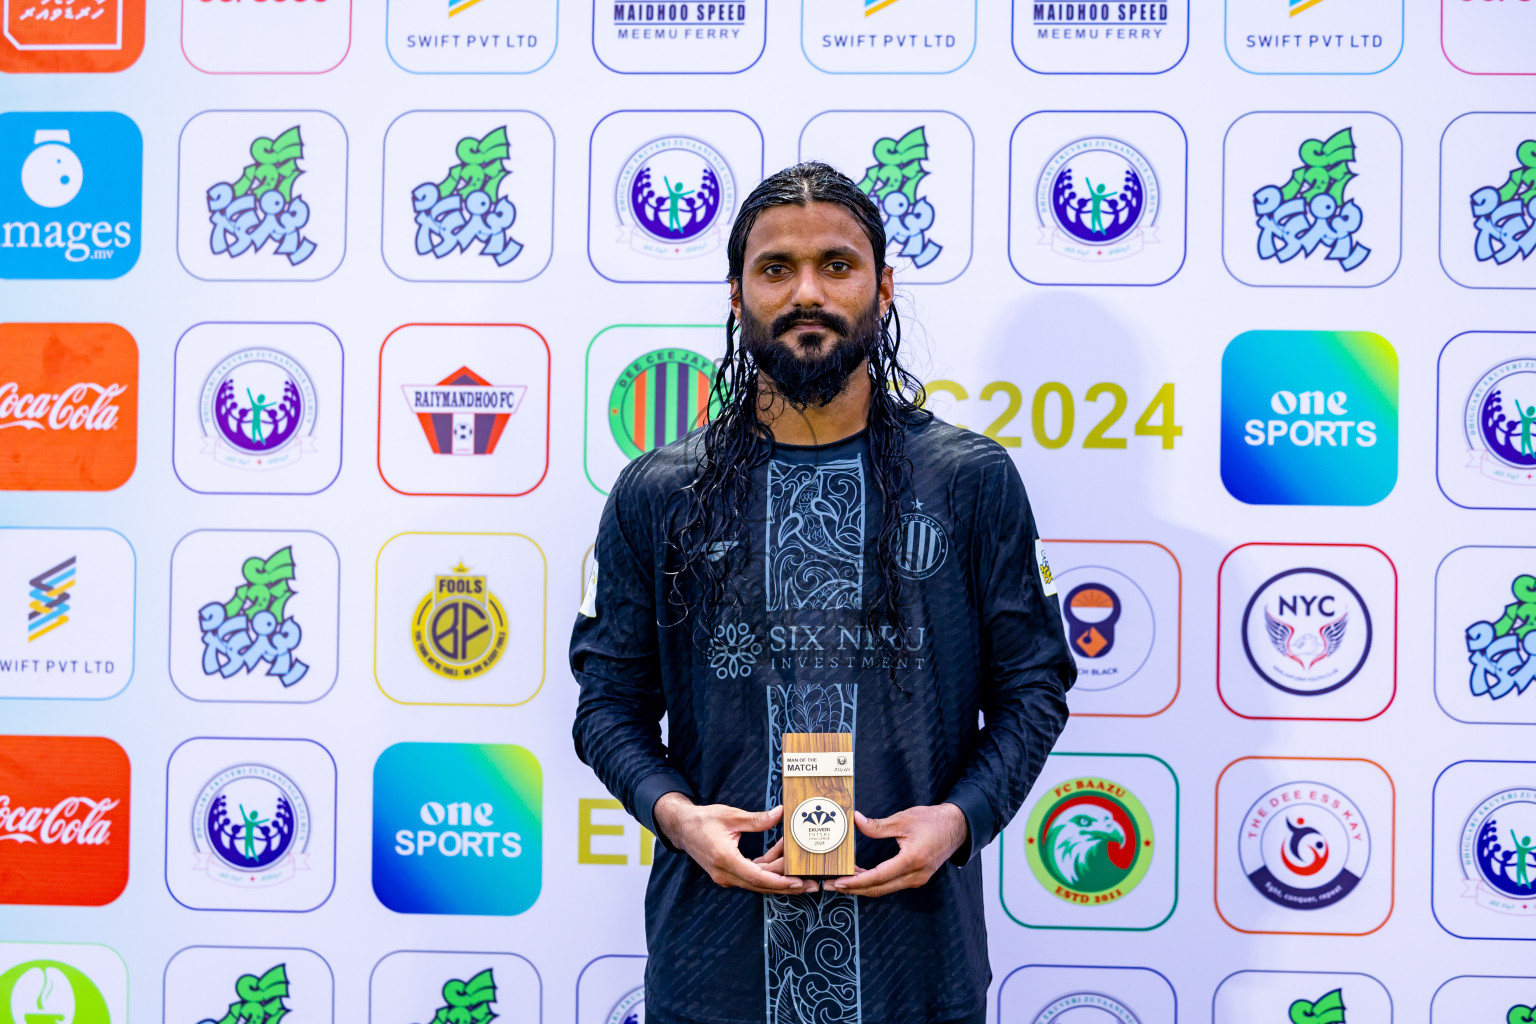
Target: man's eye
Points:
(838, 267)
(775, 268)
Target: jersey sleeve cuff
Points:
(981, 826)
(651, 789)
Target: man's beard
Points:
(822, 374)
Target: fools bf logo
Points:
(460, 629)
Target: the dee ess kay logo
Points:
(69, 406)
(63, 820)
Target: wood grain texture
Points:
(838, 862)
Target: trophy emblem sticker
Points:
(818, 825)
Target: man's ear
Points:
(735, 283)
(887, 288)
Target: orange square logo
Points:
(69, 406)
(70, 35)
(63, 820)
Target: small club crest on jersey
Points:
(262, 205)
(464, 414)
(921, 545)
(460, 629)
(467, 206)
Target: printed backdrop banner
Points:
(326, 326)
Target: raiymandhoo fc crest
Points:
(1089, 841)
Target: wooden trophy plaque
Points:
(818, 804)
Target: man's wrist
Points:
(959, 824)
(667, 814)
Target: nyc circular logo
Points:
(630, 1009)
(1304, 846)
(249, 823)
(1109, 623)
(1087, 1008)
(1089, 841)
(1307, 631)
(257, 409)
(460, 630)
(676, 196)
(921, 546)
(660, 397)
(1501, 421)
(1498, 852)
(1101, 195)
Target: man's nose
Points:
(808, 290)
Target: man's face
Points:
(810, 300)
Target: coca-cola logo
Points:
(66, 821)
(75, 820)
(81, 406)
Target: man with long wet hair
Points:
(823, 556)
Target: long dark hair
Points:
(710, 538)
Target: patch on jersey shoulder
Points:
(1047, 581)
(589, 595)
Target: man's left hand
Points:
(927, 837)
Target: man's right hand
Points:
(711, 835)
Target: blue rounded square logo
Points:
(1309, 418)
(71, 192)
(458, 828)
